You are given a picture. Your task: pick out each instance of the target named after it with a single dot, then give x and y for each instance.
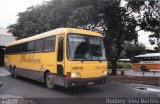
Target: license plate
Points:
(90, 83)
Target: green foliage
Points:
(41, 18)
(131, 50)
(149, 17)
(122, 65)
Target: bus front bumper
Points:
(78, 82)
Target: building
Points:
(5, 38)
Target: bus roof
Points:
(54, 32)
(149, 55)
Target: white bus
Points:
(147, 62)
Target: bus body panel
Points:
(33, 62)
(137, 66)
(87, 69)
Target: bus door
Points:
(60, 56)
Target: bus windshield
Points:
(85, 47)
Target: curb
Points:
(136, 79)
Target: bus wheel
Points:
(15, 72)
(143, 68)
(50, 81)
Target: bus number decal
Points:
(77, 68)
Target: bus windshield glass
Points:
(85, 47)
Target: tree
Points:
(148, 18)
(131, 49)
(45, 17)
(118, 23)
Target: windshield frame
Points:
(68, 48)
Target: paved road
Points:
(25, 88)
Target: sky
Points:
(10, 8)
(143, 37)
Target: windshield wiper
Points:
(99, 60)
(85, 59)
(82, 61)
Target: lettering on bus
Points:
(29, 59)
(42, 68)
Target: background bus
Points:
(146, 62)
(66, 56)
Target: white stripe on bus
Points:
(149, 62)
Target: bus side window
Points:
(31, 46)
(49, 44)
(156, 58)
(60, 49)
(18, 48)
(39, 45)
(138, 59)
(23, 48)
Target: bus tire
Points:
(49, 80)
(143, 68)
(15, 72)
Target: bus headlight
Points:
(75, 75)
(104, 73)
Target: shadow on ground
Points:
(70, 91)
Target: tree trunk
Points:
(114, 61)
(114, 67)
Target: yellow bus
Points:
(147, 62)
(66, 57)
